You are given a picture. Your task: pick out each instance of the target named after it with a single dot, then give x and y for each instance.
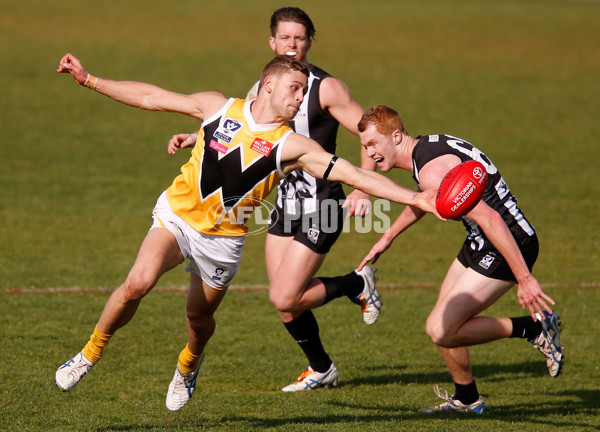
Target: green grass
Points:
(80, 175)
(387, 370)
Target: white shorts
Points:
(215, 259)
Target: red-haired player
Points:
(500, 250)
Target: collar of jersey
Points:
(256, 127)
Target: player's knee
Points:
(200, 322)
(135, 287)
(282, 303)
(436, 331)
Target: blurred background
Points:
(80, 174)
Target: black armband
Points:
(331, 164)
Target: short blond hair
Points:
(282, 64)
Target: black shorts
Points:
(318, 231)
(489, 262)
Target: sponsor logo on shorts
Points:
(218, 273)
(487, 260)
(313, 235)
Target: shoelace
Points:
(304, 374)
(438, 392)
(363, 303)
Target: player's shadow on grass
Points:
(492, 372)
(564, 405)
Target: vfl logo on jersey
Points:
(228, 130)
(261, 146)
(434, 138)
(487, 260)
(218, 273)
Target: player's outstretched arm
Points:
(408, 217)
(303, 153)
(380, 186)
(143, 95)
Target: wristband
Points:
(90, 82)
(328, 170)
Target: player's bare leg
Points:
(291, 267)
(158, 253)
(294, 297)
(464, 294)
(202, 303)
(453, 325)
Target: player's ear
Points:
(268, 84)
(272, 43)
(397, 136)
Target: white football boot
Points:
(369, 298)
(310, 380)
(68, 375)
(454, 405)
(182, 388)
(548, 342)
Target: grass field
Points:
(80, 174)
(387, 371)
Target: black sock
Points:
(305, 330)
(525, 328)
(466, 393)
(350, 285)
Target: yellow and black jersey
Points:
(235, 164)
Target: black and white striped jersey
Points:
(497, 194)
(300, 192)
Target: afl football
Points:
(461, 189)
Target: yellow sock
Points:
(95, 346)
(187, 361)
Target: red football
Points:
(461, 189)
